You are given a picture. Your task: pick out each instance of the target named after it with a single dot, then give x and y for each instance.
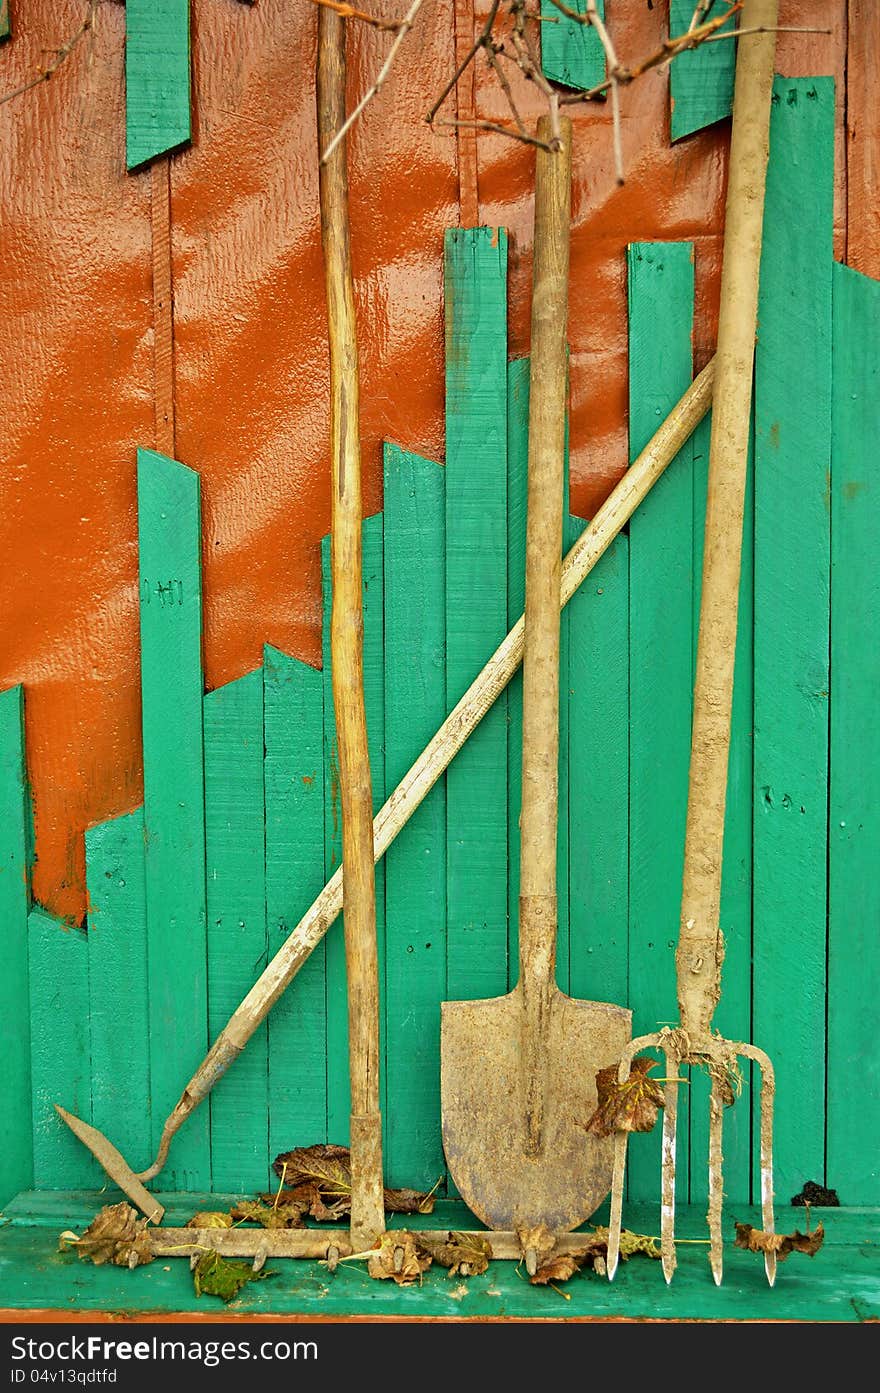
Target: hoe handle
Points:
(546, 475)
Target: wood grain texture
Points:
(792, 464)
(16, 1141)
(5, 20)
(862, 137)
(571, 53)
(338, 1106)
(701, 81)
(60, 1051)
(294, 788)
(169, 533)
(476, 603)
(415, 866)
(660, 292)
(163, 305)
(117, 972)
(853, 1132)
(734, 1013)
(157, 78)
(236, 909)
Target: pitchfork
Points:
(700, 946)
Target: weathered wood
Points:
(792, 463)
(117, 973)
(661, 281)
(862, 137)
(157, 78)
(415, 868)
(5, 20)
(571, 53)
(16, 1140)
(169, 532)
(236, 909)
(294, 786)
(347, 644)
(58, 969)
(853, 1069)
(476, 601)
(701, 80)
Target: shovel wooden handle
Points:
(546, 478)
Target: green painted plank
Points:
(792, 563)
(118, 1007)
(841, 1284)
(853, 1132)
(235, 845)
(476, 603)
(157, 78)
(517, 489)
(338, 1094)
(598, 763)
(734, 1014)
(16, 1141)
(571, 53)
(415, 865)
(701, 81)
(169, 532)
(58, 966)
(294, 780)
(661, 281)
(5, 20)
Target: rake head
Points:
(719, 1056)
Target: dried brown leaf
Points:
(322, 1176)
(539, 1240)
(214, 1275)
(270, 1216)
(399, 1257)
(758, 1241)
(117, 1234)
(210, 1219)
(630, 1244)
(626, 1107)
(465, 1254)
(557, 1269)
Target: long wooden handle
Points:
(438, 754)
(346, 646)
(540, 735)
(700, 946)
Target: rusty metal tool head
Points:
(700, 945)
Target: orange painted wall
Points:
(76, 329)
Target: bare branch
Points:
(349, 12)
(480, 42)
(405, 25)
(61, 54)
(702, 10)
(499, 129)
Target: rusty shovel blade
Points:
(484, 1117)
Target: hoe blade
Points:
(115, 1164)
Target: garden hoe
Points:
(700, 946)
(518, 1072)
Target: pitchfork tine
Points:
(716, 1183)
(667, 1212)
(768, 1091)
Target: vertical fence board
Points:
(16, 1139)
(571, 53)
(60, 1052)
(854, 827)
(338, 1093)
(294, 791)
(734, 1014)
(117, 975)
(157, 78)
(415, 865)
(792, 561)
(661, 282)
(169, 528)
(701, 81)
(476, 603)
(236, 908)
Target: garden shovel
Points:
(518, 1072)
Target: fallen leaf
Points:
(758, 1241)
(210, 1219)
(270, 1216)
(539, 1240)
(214, 1275)
(630, 1244)
(465, 1254)
(117, 1234)
(400, 1258)
(321, 1175)
(557, 1269)
(626, 1107)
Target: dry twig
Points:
(405, 25)
(61, 54)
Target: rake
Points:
(700, 950)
